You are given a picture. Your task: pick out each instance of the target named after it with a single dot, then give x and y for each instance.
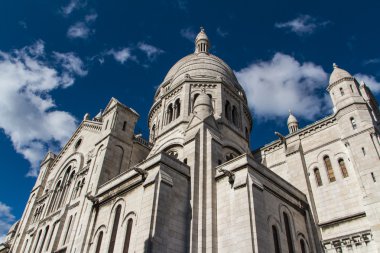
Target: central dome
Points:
(201, 65)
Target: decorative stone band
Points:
(348, 241)
(331, 85)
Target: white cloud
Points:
(28, 112)
(79, 30)
(370, 81)
(188, 33)
(221, 32)
(6, 220)
(91, 17)
(72, 5)
(273, 87)
(151, 51)
(121, 55)
(304, 24)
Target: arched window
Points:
(195, 97)
(177, 108)
(153, 133)
(353, 123)
(303, 246)
(227, 110)
(99, 243)
(43, 239)
(329, 169)
(64, 186)
(234, 116)
(169, 114)
(114, 229)
(67, 230)
(128, 236)
(341, 91)
(343, 168)
(37, 241)
(288, 233)
(51, 235)
(276, 241)
(55, 194)
(26, 245)
(318, 178)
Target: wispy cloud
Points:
(82, 29)
(284, 83)
(29, 114)
(302, 25)
(221, 32)
(6, 220)
(73, 5)
(371, 61)
(188, 33)
(121, 55)
(370, 81)
(151, 51)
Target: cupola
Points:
(201, 42)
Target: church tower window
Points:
(128, 236)
(343, 168)
(318, 178)
(276, 242)
(341, 91)
(177, 108)
(303, 246)
(228, 110)
(43, 239)
(37, 241)
(114, 229)
(330, 171)
(234, 116)
(99, 243)
(353, 123)
(124, 125)
(169, 114)
(288, 233)
(68, 230)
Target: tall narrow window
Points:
(234, 116)
(26, 245)
(227, 110)
(352, 90)
(330, 171)
(51, 235)
(363, 150)
(99, 243)
(303, 246)
(128, 236)
(43, 239)
(55, 195)
(195, 97)
(37, 241)
(288, 233)
(318, 178)
(170, 114)
(124, 125)
(343, 168)
(114, 229)
(276, 242)
(341, 91)
(177, 106)
(353, 123)
(67, 230)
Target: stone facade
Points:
(195, 186)
(335, 162)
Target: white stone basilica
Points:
(196, 186)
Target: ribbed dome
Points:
(338, 74)
(292, 119)
(202, 66)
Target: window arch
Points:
(329, 169)
(169, 114)
(177, 108)
(227, 110)
(128, 235)
(353, 123)
(343, 168)
(288, 233)
(99, 243)
(318, 178)
(114, 229)
(276, 241)
(234, 116)
(341, 91)
(43, 239)
(303, 246)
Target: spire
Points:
(335, 65)
(202, 43)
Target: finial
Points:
(335, 65)
(362, 83)
(202, 29)
(290, 112)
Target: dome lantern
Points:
(201, 42)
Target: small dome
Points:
(338, 74)
(201, 35)
(292, 119)
(203, 106)
(203, 99)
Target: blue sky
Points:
(61, 59)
